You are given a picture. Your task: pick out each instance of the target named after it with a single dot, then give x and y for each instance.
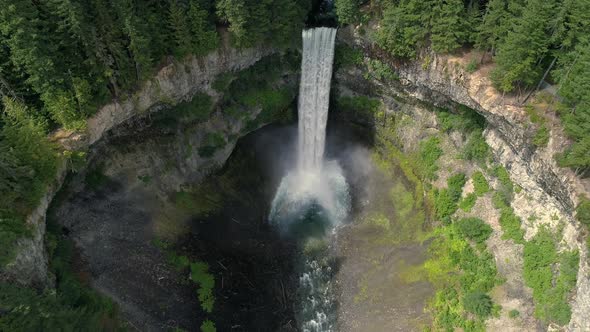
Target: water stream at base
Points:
(313, 199)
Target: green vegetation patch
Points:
(201, 200)
(362, 106)
(446, 199)
(346, 56)
(474, 229)
(467, 203)
(380, 71)
(480, 184)
(198, 109)
(429, 152)
(72, 306)
(551, 287)
(212, 143)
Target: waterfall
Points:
(313, 199)
(314, 95)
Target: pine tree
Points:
(204, 36)
(524, 47)
(181, 29)
(347, 11)
(447, 32)
(403, 29)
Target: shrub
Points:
(472, 66)
(510, 224)
(347, 56)
(474, 229)
(541, 137)
(347, 11)
(208, 326)
(380, 71)
(212, 143)
(455, 184)
(463, 119)
(513, 313)
(222, 81)
(444, 205)
(551, 289)
(478, 303)
(501, 173)
(476, 147)
(468, 202)
(429, 152)
(480, 184)
(583, 211)
(201, 276)
(359, 104)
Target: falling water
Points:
(314, 95)
(313, 198)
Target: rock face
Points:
(174, 83)
(550, 193)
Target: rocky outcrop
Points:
(550, 193)
(174, 83)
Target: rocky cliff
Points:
(549, 192)
(174, 83)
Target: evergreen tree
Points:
(447, 30)
(524, 47)
(347, 11)
(204, 36)
(181, 29)
(402, 28)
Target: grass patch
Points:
(541, 137)
(446, 199)
(551, 287)
(467, 203)
(429, 152)
(201, 276)
(359, 105)
(480, 184)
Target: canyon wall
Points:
(174, 83)
(549, 192)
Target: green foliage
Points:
(478, 303)
(198, 109)
(550, 290)
(208, 326)
(474, 229)
(276, 21)
(468, 202)
(476, 147)
(380, 71)
(509, 221)
(480, 184)
(71, 306)
(429, 152)
(445, 200)
(458, 270)
(346, 56)
(359, 105)
(541, 137)
(201, 276)
(463, 119)
(523, 45)
(95, 178)
(583, 211)
(503, 176)
(347, 11)
(28, 164)
(222, 81)
(472, 66)
(212, 143)
(513, 313)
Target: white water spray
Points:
(313, 199)
(314, 96)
